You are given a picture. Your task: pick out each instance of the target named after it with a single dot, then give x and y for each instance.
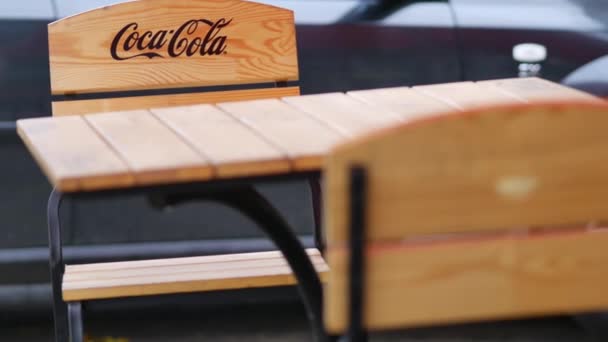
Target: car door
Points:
(574, 32)
(24, 84)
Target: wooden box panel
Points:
(487, 169)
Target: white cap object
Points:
(529, 53)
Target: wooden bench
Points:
(181, 275)
(489, 214)
(188, 52)
(189, 153)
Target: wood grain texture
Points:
(153, 152)
(303, 139)
(537, 89)
(489, 169)
(232, 148)
(473, 280)
(343, 113)
(72, 156)
(179, 275)
(403, 101)
(466, 95)
(79, 107)
(260, 46)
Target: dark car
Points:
(343, 45)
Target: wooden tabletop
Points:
(244, 139)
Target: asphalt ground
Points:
(281, 321)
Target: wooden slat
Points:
(250, 43)
(513, 166)
(304, 139)
(403, 101)
(159, 267)
(466, 95)
(152, 150)
(80, 107)
(236, 257)
(72, 156)
(343, 113)
(537, 89)
(153, 277)
(232, 148)
(508, 277)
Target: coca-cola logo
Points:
(186, 40)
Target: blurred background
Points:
(343, 45)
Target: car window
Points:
(26, 9)
(306, 11)
(572, 15)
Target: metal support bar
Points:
(280, 84)
(60, 310)
(252, 204)
(75, 321)
(358, 197)
(317, 202)
(255, 206)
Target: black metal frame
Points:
(75, 322)
(236, 193)
(57, 267)
(317, 196)
(358, 218)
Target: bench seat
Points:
(180, 275)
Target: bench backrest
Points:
(221, 50)
(441, 199)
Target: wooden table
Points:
(215, 152)
(243, 139)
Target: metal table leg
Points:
(317, 196)
(60, 309)
(75, 321)
(255, 206)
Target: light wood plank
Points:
(240, 271)
(473, 280)
(482, 170)
(403, 101)
(537, 89)
(154, 152)
(80, 107)
(343, 113)
(233, 148)
(304, 139)
(198, 265)
(466, 95)
(209, 259)
(250, 43)
(72, 156)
